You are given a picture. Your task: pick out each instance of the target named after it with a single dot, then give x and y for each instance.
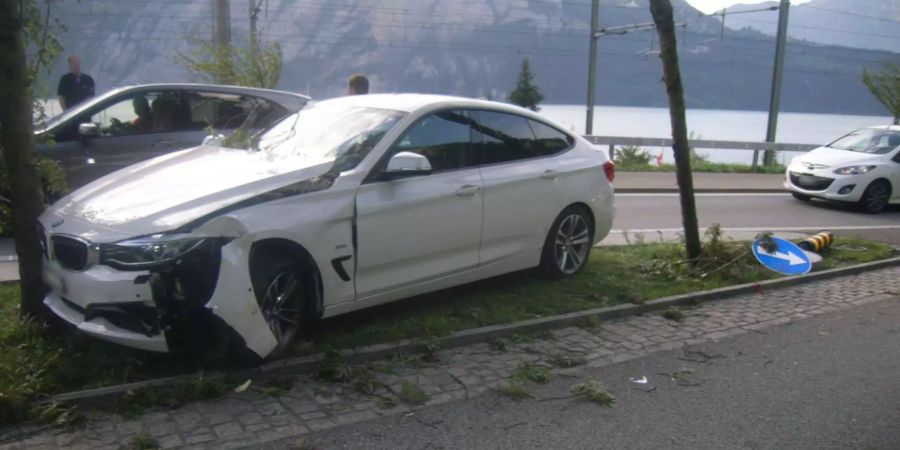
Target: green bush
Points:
(631, 155)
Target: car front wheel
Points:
(279, 288)
(875, 199)
(568, 243)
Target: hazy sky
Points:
(709, 6)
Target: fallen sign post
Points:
(781, 255)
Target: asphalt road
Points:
(830, 382)
(749, 213)
(763, 212)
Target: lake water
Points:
(793, 128)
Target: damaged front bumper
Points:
(184, 306)
(102, 302)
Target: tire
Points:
(568, 243)
(801, 197)
(280, 286)
(876, 197)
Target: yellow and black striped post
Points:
(817, 242)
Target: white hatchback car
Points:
(349, 203)
(862, 167)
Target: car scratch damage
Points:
(235, 302)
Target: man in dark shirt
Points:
(74, 87)
(358, 84)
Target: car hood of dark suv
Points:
(170, 191)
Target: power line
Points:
(835, 30)
(848, 13)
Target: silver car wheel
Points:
(572, 243)
(280, 306)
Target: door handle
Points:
(549, 175)
(467, 190)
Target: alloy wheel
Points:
(280, 305)
(573, 242)
(876, 197)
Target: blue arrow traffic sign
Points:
(787, 258)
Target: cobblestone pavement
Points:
(399, 384)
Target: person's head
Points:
(141, 106)
(358, 84)
(74, 64)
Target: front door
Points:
(133, 128)
(416, 229)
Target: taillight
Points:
(609, 168)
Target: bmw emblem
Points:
(57, 223)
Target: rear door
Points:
(415, 229)
(522, 188)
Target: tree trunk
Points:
(665, 26)
(17, 142)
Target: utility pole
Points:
(254, 39)
(223, 23)
(592, 66)
(222, 34)
(783, 10)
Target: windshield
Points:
(869, 140)
(320, 133)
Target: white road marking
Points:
(707, 194)
(766, 227)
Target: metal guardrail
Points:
(614, 141)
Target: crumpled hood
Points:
(169, 191)
(835, 158)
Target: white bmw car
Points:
(349, 203)
(862, 167)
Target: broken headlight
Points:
(148, 251)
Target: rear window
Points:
(499, 137)
(549, 139)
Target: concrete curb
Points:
(675, 190)
(476, 335)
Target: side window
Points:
(442, 137)
(230, 111)
(139, 113)
(212, 109)
(549, 140)
(499, 137)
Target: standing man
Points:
(74, 87)
(358, 84)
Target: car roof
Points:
(290, 100)
(409, 102)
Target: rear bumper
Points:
(101, 328)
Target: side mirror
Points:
(407, 164)
(87, 130)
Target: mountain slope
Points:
(865, 24)
(473, 48)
